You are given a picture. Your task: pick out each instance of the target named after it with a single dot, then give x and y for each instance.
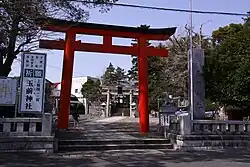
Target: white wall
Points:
(77, 86)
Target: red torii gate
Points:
(69, 45)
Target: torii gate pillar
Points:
(68, 62)
(143, 85)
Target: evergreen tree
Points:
(109, 77)
(91, 90)
(120, 75)
(114, 76)
(227, 74)
(156, 81)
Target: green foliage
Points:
(18, 30)
(109, 77)
(223, 32)
(210, 106)
(91, 90)
(120, 74)
(156, 84)
(114, 76)
(133, 72)
(227, 74)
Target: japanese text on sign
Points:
(8, 88)
(32, 86)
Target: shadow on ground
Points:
(41, 160)
(133, 129)
(135, 158)
(117, 130)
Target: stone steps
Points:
(109, 144)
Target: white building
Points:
(76, 87)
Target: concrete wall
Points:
(187, 134)
(27, 134)
(41, 144)
(210, 142)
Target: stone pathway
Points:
(107, 128)
(117, 127)
(109, 120)
(130, 158)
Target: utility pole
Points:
(191, 87)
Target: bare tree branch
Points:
(18, 23)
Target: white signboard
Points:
(32, 83)
(8, 87)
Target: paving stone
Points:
(108, 128)
(130, 158)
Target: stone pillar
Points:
(197, 88)
(57, 106)
(185, 124)
(107, 114)
(86, 106)
(47, 124)
(130, 103)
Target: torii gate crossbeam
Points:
(70, 45)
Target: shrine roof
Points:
(64, 25)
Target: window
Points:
(73, 98)
(119, 91)
(76, 90)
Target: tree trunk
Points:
(5, 68)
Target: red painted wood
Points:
(68, 62)
(107, 41)
(143, 85)
(100, 48)
(70, 45)
(106, 33)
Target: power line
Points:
(78, 74)
(166, 9)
